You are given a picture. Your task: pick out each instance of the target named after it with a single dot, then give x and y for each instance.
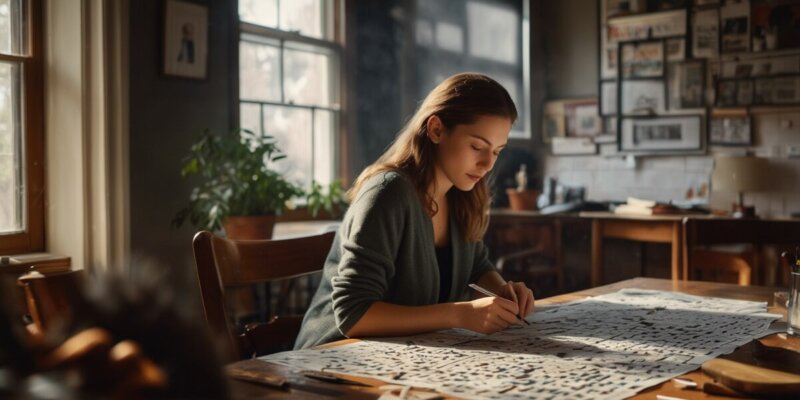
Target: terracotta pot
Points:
(253, 227)
(521, 201)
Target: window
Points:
(289, 63)
(21, 127)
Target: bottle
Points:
(522, 178)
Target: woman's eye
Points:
(476, 148)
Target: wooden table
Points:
(655, 228)
(301, 387)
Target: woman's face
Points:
(468, 152)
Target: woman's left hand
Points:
(517, 291)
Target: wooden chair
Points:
(224, 264)
(711, 265)
(51, 299)
(529, 250)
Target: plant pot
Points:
(251, 227)
(522, 201)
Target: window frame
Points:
(31, 239)
(332, 27)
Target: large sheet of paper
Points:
(609, 346)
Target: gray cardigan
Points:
(384, 251)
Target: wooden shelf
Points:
(43, 262)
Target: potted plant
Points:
(238, 188)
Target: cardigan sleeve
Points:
(373, 230)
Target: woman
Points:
(410, 242)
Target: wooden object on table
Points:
(653, 228)
(752, 380)
(223, 263)
(743, 354)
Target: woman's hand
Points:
(488, 314)
(521, 294)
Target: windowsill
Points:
(45, 263)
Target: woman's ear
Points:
(435, 128)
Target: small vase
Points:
(522, 201)
(253, 227)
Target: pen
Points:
(488, 293)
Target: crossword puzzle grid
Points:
(609, 346)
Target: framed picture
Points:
(786, 90)
(705, 33)
(686, 84)
(778, 90)
(730, 130)
(726, 92)
(642, 96)
(674, 133)
(553, 121)
(185, 39)
(573, 146)
(752, 65)
(774, 24)
(675, 49)
(582, 118)
(642, 59)
(608, 98)
(635, 27)
(744, 92)
(735, 26)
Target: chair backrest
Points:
(711, 265)
(223, 263)
(51, 299)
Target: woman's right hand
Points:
(488, 314)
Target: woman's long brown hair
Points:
(459, 99)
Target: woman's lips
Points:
(474, 177)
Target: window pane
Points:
(291, 126)
(249, 117)
(259, 71)
(307, 78)
(261, 12)
(304, 17)
(11, 178)
(324, 146)
(12, 33)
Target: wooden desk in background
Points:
(657, 229)
(302, 387)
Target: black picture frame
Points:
(721, 133)
(688, 97)
(185, 40)
(783, 85)
(622, 74)
(660, 134)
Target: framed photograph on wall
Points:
(642, 59)
(744, 92)
(672, 133)
(783, 90)
(686, 84)
(675, 49)
(730, 130)
(642, 96)
(726, 92)
(705, 33)
(735, 27)
(608, 98)
(573, 146)
(185, 39)
(582, 118)
(553, 121)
